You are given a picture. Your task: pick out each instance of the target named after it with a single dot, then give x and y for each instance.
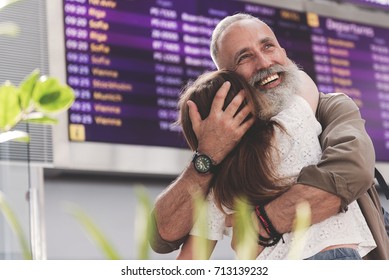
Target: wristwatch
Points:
(203, 163)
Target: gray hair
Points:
(221, 27)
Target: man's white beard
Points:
(279, 97)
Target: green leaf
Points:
(246, 235)
(27, 88)
(10, 29)
(50, 96)
(94, 233)
(13, 221)
(38, 117)
(202, 250)
(10, 111)
(300, 226)
(15, 135)
(143, 226)
(5, 3)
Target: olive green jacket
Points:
(347, 165)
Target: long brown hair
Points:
(247, 171)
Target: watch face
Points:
(202, 164)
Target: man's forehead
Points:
(249, 25)
(246, 31)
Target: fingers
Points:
(239, 117)
(218, 101)
(246, 125)
(233, 107)
(240, 123)
(219, 133)
(242, 114)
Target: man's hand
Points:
(282, 210)
(219, 133)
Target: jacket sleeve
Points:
(157, 243)
(346, 168)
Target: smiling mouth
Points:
(268, 80)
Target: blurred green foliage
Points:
(35, 100)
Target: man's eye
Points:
(243, 57)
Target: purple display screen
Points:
(353, 58)
(379, 4)
(128, 61)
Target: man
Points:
(248, 46)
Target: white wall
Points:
(14, 183)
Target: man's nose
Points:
(262, 61)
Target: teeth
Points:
(269, 79)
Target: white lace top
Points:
(299, 146)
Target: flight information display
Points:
(128, 61)
(378, 4)
(353, 58)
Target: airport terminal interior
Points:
(102, 160)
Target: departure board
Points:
(377, 4)
(353, 58)
(128, 61)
